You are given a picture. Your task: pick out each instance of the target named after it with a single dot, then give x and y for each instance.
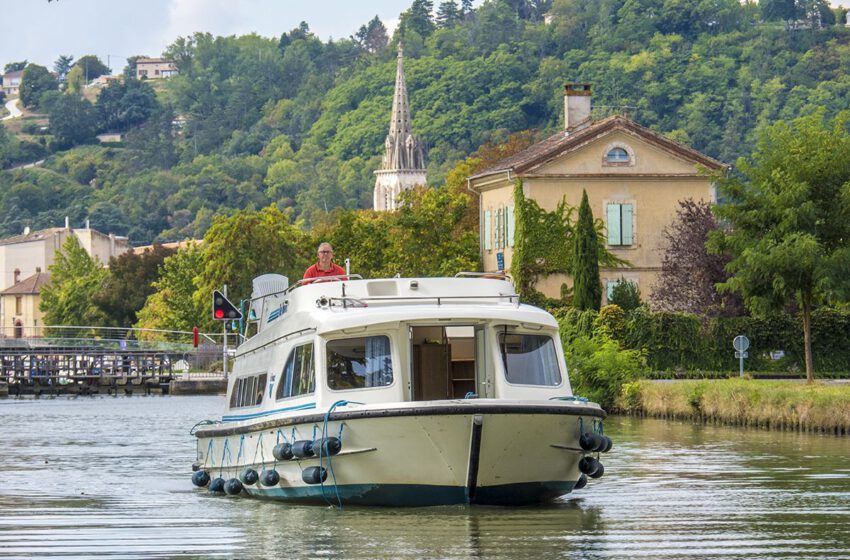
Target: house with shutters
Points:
(634, 178)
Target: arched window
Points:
(617, 155)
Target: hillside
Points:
(301, 123)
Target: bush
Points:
(625, 295)
(599, 368)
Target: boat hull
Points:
(439, 454)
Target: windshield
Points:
(529, 359)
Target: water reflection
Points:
(108, 476)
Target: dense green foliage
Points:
(680, 342)
(75, 278)
(790, 232)
(300, 123)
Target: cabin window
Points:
(529, 359)
(359, 363)
(299, 376)
(248, 391)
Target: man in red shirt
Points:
(325, 267)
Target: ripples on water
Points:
(109, 477)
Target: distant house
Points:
(12, 82)
(176, 245)
(155, 68)
(24, 260)
(21, 302)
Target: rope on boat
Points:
(241, 445)
(260, 449)
(207, 456)
(224, 450)
(330, 460)
(202, 423)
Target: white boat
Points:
(401, 392)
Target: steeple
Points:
(403, 165)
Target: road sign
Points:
(742, 354)
(741, 343)
(500, 261)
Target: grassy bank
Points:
(784, 405)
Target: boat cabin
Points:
(396, 340)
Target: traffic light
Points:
(223, 310)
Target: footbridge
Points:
(91, 360)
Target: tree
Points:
(124, 104)
(587, 289)
(72, 121)
(92, 67)
(418, 19)
(448, 14)
(74, 279)
(247, 244)
(372, 37)
(625, 295)
(15, 66)
(34, 82)
(788, 218)
(62, 66)
(689, 272)
(173, 305)
(128, 285)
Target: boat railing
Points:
(489, 275)
(353, 303)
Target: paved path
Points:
(12, 107)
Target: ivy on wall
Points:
(543, 245)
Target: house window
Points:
(19, 301)
(620, 224)
(617, 155)
(298, 377)
(17, 275)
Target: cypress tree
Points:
(587, 289)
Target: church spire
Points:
(403, 165)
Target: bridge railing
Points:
(25, 349)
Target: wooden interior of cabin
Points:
(443, 362)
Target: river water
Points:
(110, 477)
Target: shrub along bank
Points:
(784, 405)
(682, 342)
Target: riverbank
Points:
(780, 405)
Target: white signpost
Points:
(740, 344)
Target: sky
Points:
(39, 31)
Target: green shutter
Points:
(511, 226)
(614, 224)
(488, 244)
(627, 228)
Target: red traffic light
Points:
(223, 310)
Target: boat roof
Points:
(328, 306)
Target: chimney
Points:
(88, 223)
(576, 106)
(67, 223)
(26, 230)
